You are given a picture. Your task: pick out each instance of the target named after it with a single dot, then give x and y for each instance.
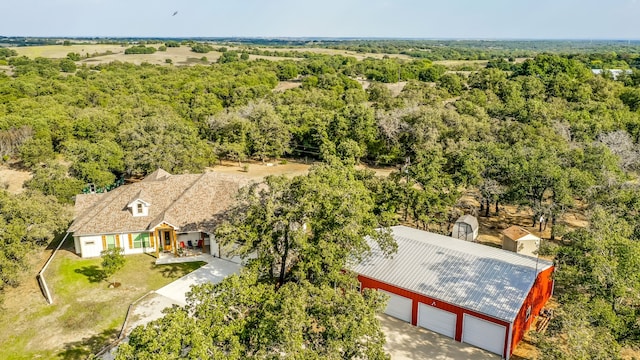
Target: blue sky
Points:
(504, 19)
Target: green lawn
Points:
(86, 314)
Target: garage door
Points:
(483, 334)
(398, 306)
(438, 320)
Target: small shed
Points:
(520, 241)
(465, 228)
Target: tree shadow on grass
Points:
(174, 271)
(90, 345)
(93, 273)
(170, 271)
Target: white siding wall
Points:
(463, 231)
(528, 247)
(124, 243)
(193, 236)
(91, 246)
(215, 251)
(76, 245)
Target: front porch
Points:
(183, 255)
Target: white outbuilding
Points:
(465, 228)
(520, 241)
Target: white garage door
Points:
(398, 306)
(438, 320)
(483, 334)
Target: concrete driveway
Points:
(150, 307)
(214, 272)
(405, 341)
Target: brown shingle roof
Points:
(515, 232)
(85, 201)
(157, 175)
(191, 202)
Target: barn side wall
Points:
(538, 296)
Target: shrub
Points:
(140, 49)
(201, 48)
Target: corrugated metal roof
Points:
(477, 277)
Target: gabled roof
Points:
(517, 233)
(191, 202)
(140, 196)
(468, 219)
(157, 175)
(477, 277)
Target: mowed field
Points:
(355, 54)
(99, 54)
(106, 53)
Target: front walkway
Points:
(150, 307)
(214, 272)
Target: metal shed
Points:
(465, 228)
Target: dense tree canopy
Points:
(305, 228)
(27, 222)
(243, 318)
(543, 133)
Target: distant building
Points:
(465, 228)
(473, 293)
(520, 241)
(614, 72)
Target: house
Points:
(519, 240)
(159, 214)
(465, 228)
(473, 293)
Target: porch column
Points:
(157, 242)
(174, 241)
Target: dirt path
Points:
(257, 170)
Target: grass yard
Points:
(86, 314)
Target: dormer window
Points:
(139, 207)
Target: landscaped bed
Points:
(86, 314)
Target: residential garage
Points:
(477, 294)
(398, 306)
(483, 334)
(437, 320)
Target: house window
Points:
(359, 287)
(141, 241)
(528, 313)
(110, 241)
(139, 208)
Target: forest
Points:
(544, 133)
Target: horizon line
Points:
(339, 38)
